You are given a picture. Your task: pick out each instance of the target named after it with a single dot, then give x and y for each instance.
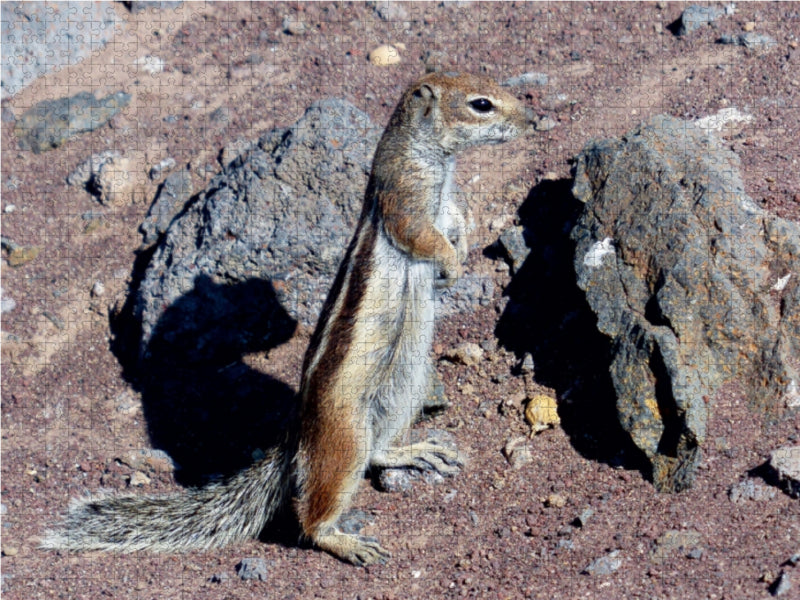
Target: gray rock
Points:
(390, 11)
(786, 464)
(50, 123)
(283, 211)
(169, 201)
(137, 6)
(6, 304)
(162, 167)
(222, 577)
(678, 263)
(252, 568)
(582, 519)
(751, 40)
(695, 16)
(750, 490)
(512, 242)
(354, 521)
(605, 565)
(39, 37)
(781, 585)
(687, 543)
(530, 78)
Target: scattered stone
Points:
(435, 61)
(466, 353)
(749, 26)
(750, 490)
(147, 458)
(726, 119)
(541, 413)
(137, 6)
(673, 541)
(695, 16)
(107, 176)
(680, 293)
(781, 585)
(50, 123)
(10, 208)
(150, 64)
(98, 289)
(220, 577)
(6, 304)
(162, 167)
(526, 367)
(794, 559)
(759, 42)
(786, 464)
(395, 480)
(293, 26)
(38, 37)
(84, 173)
(170, 199)
(384, 56)
(605, 565)
(113, 182)
(252, 569)
(354, 521)
(527, 79)
(3, 509)
(10, 551)
(555, 501)
(544, 124)
(512, 243)
(517, 452)
(582, 519)
(390, 11)
(139, 479)
(18, 256)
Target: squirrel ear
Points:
(425, 98)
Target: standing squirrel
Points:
(367, 370)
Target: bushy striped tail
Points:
(200, 519)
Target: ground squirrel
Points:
(367, 369)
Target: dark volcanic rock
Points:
(50, 123)
(687, 277)
(284, 212)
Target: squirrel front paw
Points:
(448, 270)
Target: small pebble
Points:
(98, 289)
(555, 500)
(605, 565)
(467, 353)
(252, 569)
(384, 56)
(139, 479)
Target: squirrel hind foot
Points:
(356, 549)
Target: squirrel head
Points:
(454, 111)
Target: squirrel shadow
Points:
(204, 406)
(547, 315)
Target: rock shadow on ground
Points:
(547, 315)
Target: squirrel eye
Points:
(481, 105)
